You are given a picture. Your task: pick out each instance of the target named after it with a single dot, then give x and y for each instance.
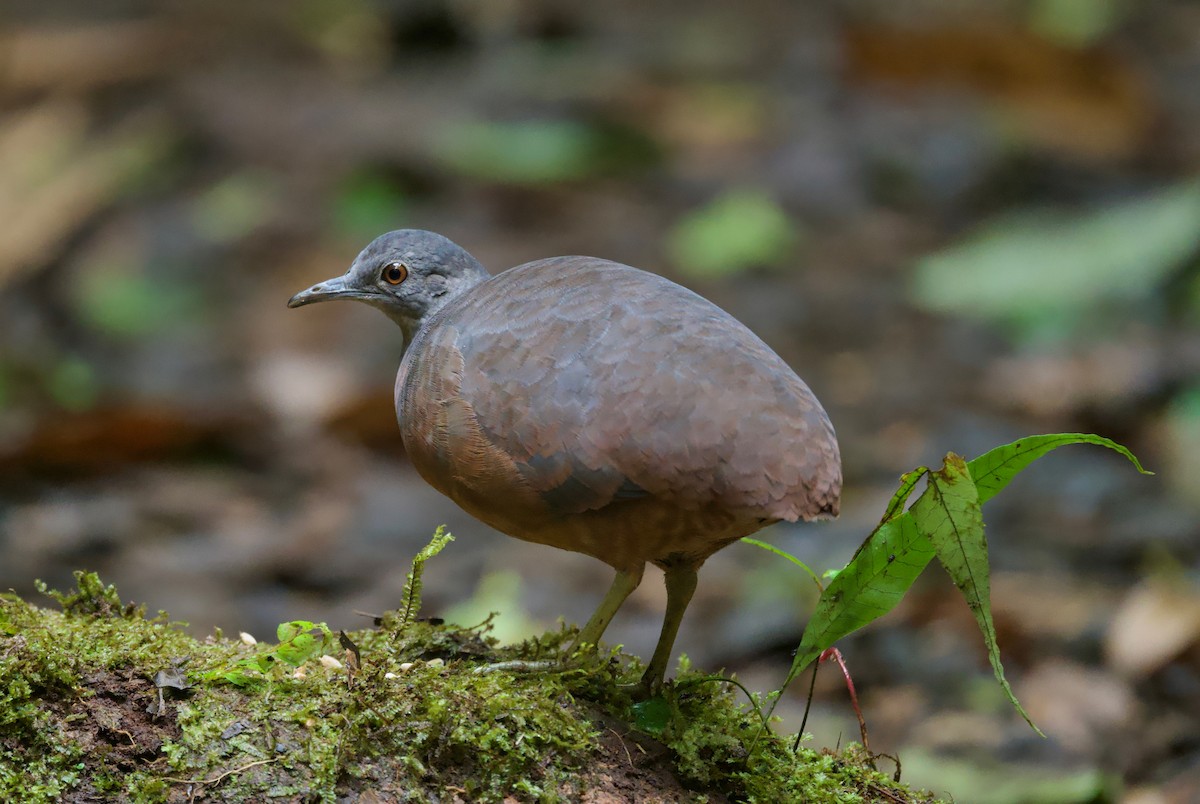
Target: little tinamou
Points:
(594, 407)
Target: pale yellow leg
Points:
(681, 583)
(622, 587)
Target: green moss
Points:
(717, 745)
(407, 716)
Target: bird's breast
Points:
(448, 447)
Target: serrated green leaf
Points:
(950, 515)
(993, 470)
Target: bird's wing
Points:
(603, 383)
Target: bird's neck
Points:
(460, 286)
(408, 326)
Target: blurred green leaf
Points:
(1182, 428)
(739, 230)
(498, 592)
(984, 781)
(367, 205)
(130, 305)
(72, 384)
(1191, 299)
(1039, 270)
(1075, 23)
(235, 206)
(348, 30)
(147, 159)
(523, 152)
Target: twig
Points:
(624, 747)
(516, 665)
(807, 706)
(836, 655)
(215, 779)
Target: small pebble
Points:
(331, 662)
(300, 674)
(436, 663)
(247, 639)
(406, 666)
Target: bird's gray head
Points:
(409, 274)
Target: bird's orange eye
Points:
(395, 272)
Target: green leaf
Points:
(288, 631)
(130, 305)
(523, 152)
(874, 581)
(770, 548)
(367, 204)
(652, 715)
(298, 644)
(739, 230)
(236, 206)
(412, 585)
(946, 521)
(994, 469)
(1075, 23)
(908, 481)
(950, 515)
(73, 384)
(1040, 270)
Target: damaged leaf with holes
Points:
(946, 521)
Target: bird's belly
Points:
(623, 534)
(627, 535)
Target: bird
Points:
(595, 407)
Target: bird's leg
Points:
(622, 587)
(681, 583)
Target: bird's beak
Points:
(335, 288)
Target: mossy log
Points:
(100, 703)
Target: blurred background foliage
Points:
(961, 223)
